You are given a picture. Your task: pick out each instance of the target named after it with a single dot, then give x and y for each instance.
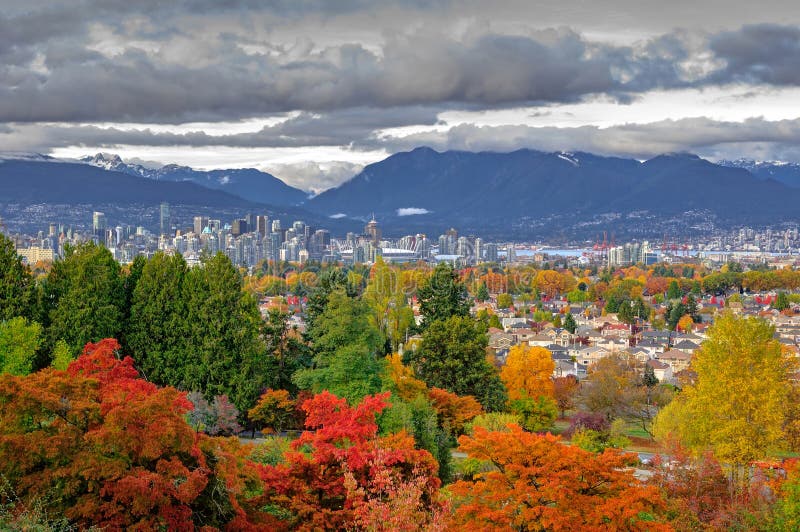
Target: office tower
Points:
(262, 225)
(463, 247)
(166, 223)
(99, 226)
(444, 249)
(373, 232)
(239, 227)
(200, 223)
(491, 252)
(478, 250)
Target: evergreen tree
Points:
(83, 298)
(16, 283)
(442, 296)
(453, 356)
(483, 293)
(224, 355)
(569, 323)
(158, 327)
(674, 290)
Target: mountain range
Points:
(785, 172)
(523, 194)
(533, 192)
(248, 183)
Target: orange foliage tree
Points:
(528, 372)
(104, 448)
(537, 483)
(454, 410)
(275, 410)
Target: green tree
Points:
(535, 414)
(83, 297)
(453, 356)
(569, 323)
(346, 348)
(19, 341)
(158, 326)
(482, 294)
(286, 353)
(224, 354)
(442, 296)
(674, 290)
(738, 403)
(781, 301)
(505, 301)
(61, 356)
(16, 283)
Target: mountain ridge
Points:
(247, 183)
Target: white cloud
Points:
(411, 211)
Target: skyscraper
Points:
(200, 223)
(262, 225)
(99, 226)
(373, 232)
(166, 223)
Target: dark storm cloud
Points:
(765, 53)
(420, 69)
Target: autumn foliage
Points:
(528, 372)
(308, 491)
(538, 483)
(106, 448)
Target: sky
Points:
(313, 90)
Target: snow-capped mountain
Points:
(247, 183)
(784, 172)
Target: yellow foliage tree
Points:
(528, 372)
(407, 386)
(738, 405)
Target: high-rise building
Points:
(165, 226)
(491, 252)
(239, 227)
(200, 223)
(479, 250)
(99, 226)
(373, 232)
(463, 247)
(262, 225)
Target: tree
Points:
(285, 351)
(158, 326)
(674, 290)
(454, 411)
(565, 389)
(483, 293)
(453, 356)
(83, 297)
(16, 283)
(224, 355)
(19, 341)
(536, 483)
(569, 323)
(109, 450)
(442, 296)
(528, 372)
(340, 465)
(274, 411)
(346, 348)
(737, 405)
(685, 323)
(781, 301)
(535, 414)
(505, 301)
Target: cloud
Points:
(411, 211)
(643, 141)
(312, 176)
